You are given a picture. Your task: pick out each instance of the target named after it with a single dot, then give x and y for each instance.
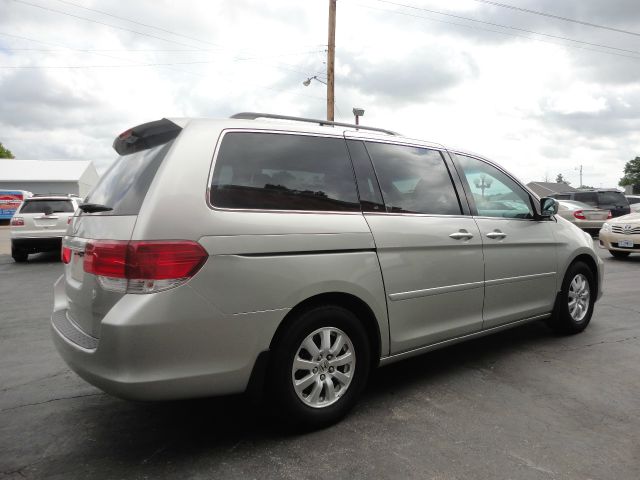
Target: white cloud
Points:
(536, 107)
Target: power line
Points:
(492, 31)
(558, 17)
(168, 67)
(102, 23)
(558, 37)
(137, 23)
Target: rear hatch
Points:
(45, 217)
(614, 201)
(108, 216)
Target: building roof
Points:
(43, 170)
(548, 188)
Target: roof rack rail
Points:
(254, 115)
(55, 195)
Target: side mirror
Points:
(548, 207)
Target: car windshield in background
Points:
(41, 206)
(612, 198)
(125, 184)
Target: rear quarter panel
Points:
(259, 261)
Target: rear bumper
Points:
(37, 244)
(164, 346)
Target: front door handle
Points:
(496, 234)
(461, 234)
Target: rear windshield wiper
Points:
(93, 207)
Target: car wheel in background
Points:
(19, 255)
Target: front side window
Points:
(414, 179)
(494, 193)
(270, 171)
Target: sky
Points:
(535, 93)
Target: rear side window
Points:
(590, 198)
(414, 180)
(270, 171)
(124, 186)
(43, 206)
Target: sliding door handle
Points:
(462, 234)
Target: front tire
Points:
(320, 366)
(619, 254)
(574, 305)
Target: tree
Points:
(560, 179)
(5, 152)
(631, 173)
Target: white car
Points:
(634, 202)
(40, 223)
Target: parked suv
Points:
(40, 223)
(219, 256)
(605, 199)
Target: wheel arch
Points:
(590, 262)
(354, 304)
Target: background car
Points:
(40, 223)
(634, 202)
(583, 215)
(607, 199)
(621, 236)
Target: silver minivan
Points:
(292, 256)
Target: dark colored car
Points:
(612, 200)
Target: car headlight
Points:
(606, 227)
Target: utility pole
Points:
(331, 56)
(580, 169)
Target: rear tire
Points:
(619, 254)
(574, 305)
(319, 367)
(19, 255)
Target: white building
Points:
(48, 176)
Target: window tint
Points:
(283, 172)
(495, 194)
(590, 198)
(414, 180)
(612, 198)
(40, 206)
(368, 188)
(124, 186)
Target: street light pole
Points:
(331, 55)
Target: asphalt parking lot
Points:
(522, 404)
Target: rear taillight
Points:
(65, 254)
(609, 215)
(17, 222)
(143, 266)
(69, 220)
(579, 215)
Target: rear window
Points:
(124, 186)
(269, 171)
(42, 206)
(612, 198)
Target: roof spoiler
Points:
(145, 136)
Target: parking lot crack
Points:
(620, 340)
(49, 401)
